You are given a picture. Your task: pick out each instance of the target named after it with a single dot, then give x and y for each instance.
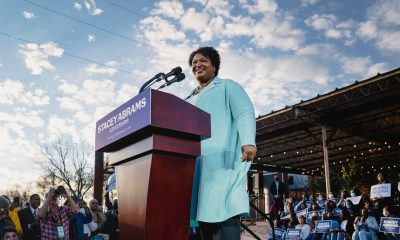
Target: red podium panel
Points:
(154, 156)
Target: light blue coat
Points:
(219, 190)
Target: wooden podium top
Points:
(150, 112)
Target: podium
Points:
(153, 141)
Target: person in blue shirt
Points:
(219, 192)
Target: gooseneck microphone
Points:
(178, 78)
(162, 76)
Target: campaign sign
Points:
(389, 225)
(355, 200)
(310, 214)
(323, 226)
(302, 213)
(278, 234)
(337, 211)
(293, 234)
(124, 120)
(381, 190)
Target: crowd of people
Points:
(72, 219)
(358, 220)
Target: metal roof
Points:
(362, 123)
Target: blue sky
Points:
(280, 51)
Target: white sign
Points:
(354, 200)
(381, 190)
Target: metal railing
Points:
(257, 214)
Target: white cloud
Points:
(58, 126)
(92, 8)
(36, 56)
(306, 3)
(68, 88)
(159, 29)
(259, 6)
(12, 91)
(321, 22)
(90, 38)
(77, 6)
(172, 9)
(278, 33)
(29, 15)
(389, 41)
(367, 30)
(386, 12)
(362, 66)
(95, 69)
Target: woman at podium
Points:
(219, 190)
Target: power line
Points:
(67, 53)
(142, 15)
(84, 22)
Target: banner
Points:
(355, 200)
(381, 190)
(323, 226)
(389, 225)
(293, 234)
(278, 234)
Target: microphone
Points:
(178, 78)
(173, 72)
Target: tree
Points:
(23, 193)
(67, 163)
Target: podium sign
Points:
(153, 141)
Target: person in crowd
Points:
(302, 204)
(289, 204)
(5, 220)
(388, 212)
(9, 233)
(305, 228)
(321, 200)
(342, 199)
(54, 219)
(28, 217)
(13, 213)
(278, 190)
(99, 218)
(384, 201)
(112, 224)
(278, 224)
(81, 221)
(365, 227)
(331, 197)
(345, 229)
(220, 195)
(368, 207)
(350, 208)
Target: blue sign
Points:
(124, 120)
(310, 214)
(389, 225)
(323, 226)
(112, 183)
(293, 234)
(278, 234)
(337, 212)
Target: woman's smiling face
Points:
(202, 68)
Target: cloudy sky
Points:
(65, 64)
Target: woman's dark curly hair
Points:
(209, 52)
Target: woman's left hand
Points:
(248, 153)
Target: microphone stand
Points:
(158, 77)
